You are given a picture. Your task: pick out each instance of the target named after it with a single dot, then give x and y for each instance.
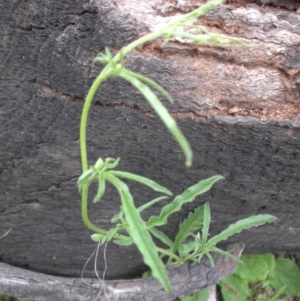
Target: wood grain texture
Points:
(238, 107)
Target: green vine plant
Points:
(128, 226)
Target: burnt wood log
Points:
(185, 279)
(238, 107)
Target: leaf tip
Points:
(188, 163)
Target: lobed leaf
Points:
(252, 221)
(187, 196)
(147, 182)
(140, 235)
(189, 225)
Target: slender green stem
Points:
(84, 116)
(86, 219)
(170, 254)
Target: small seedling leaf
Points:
(111, 163)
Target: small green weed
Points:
(265, 271)
(128, 221)
(200, 296)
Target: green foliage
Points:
(201, 245)
(279, 274)
(199, 296)
(128, 226)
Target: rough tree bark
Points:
(239, 108)
(185, 279)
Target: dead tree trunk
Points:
(185, 279)
(239, 108)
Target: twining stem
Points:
(165, 31)
(170, 254)
(86, 219)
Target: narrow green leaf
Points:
(163, 113)
(147, 182)
(140, 235)
(101, 188)
(252, 221)
(152, 83)
(187, 196)
(206, 222)
(189, 225)
(162, 237)
(147, 205)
